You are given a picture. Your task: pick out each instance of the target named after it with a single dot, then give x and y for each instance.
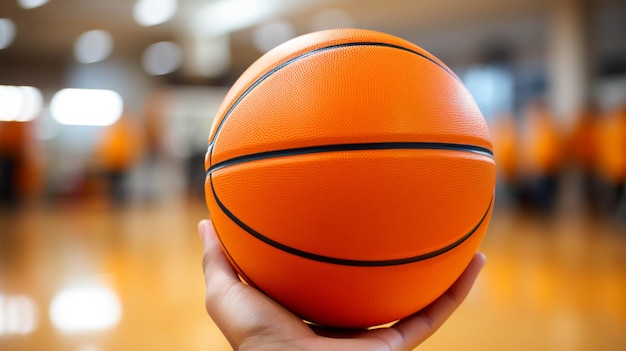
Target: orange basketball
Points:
(350, 177)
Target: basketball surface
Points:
(350, 177)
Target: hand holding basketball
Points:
(252, 321)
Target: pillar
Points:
(568, 58)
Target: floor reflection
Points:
(85, 307)
(89, 278)
(18, 315)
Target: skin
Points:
(252, 321)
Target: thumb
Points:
(214, 262)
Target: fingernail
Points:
(483, 259)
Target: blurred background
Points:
(105, 108)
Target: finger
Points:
(221, 280)
(239, 310)
(214, 262)
(412, 331)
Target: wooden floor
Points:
(551, 284)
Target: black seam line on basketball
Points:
(305, 55)
(342, 261)
(351, 147)
(233, 262)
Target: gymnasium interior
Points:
(99, 208)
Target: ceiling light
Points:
(152, 12)
(31, 4)
(224, 16)
(88, 107)
(93, 46)
(7, 32)
(19, 104)
(162, 58)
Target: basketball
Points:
(350, 177)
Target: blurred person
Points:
(505, 146)
(196, 174)
(20, 176)
(541, 157)
(251, 320)
(154, 126)
(582, 149)
(12, 145)
(611, 160)
(119, 149)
